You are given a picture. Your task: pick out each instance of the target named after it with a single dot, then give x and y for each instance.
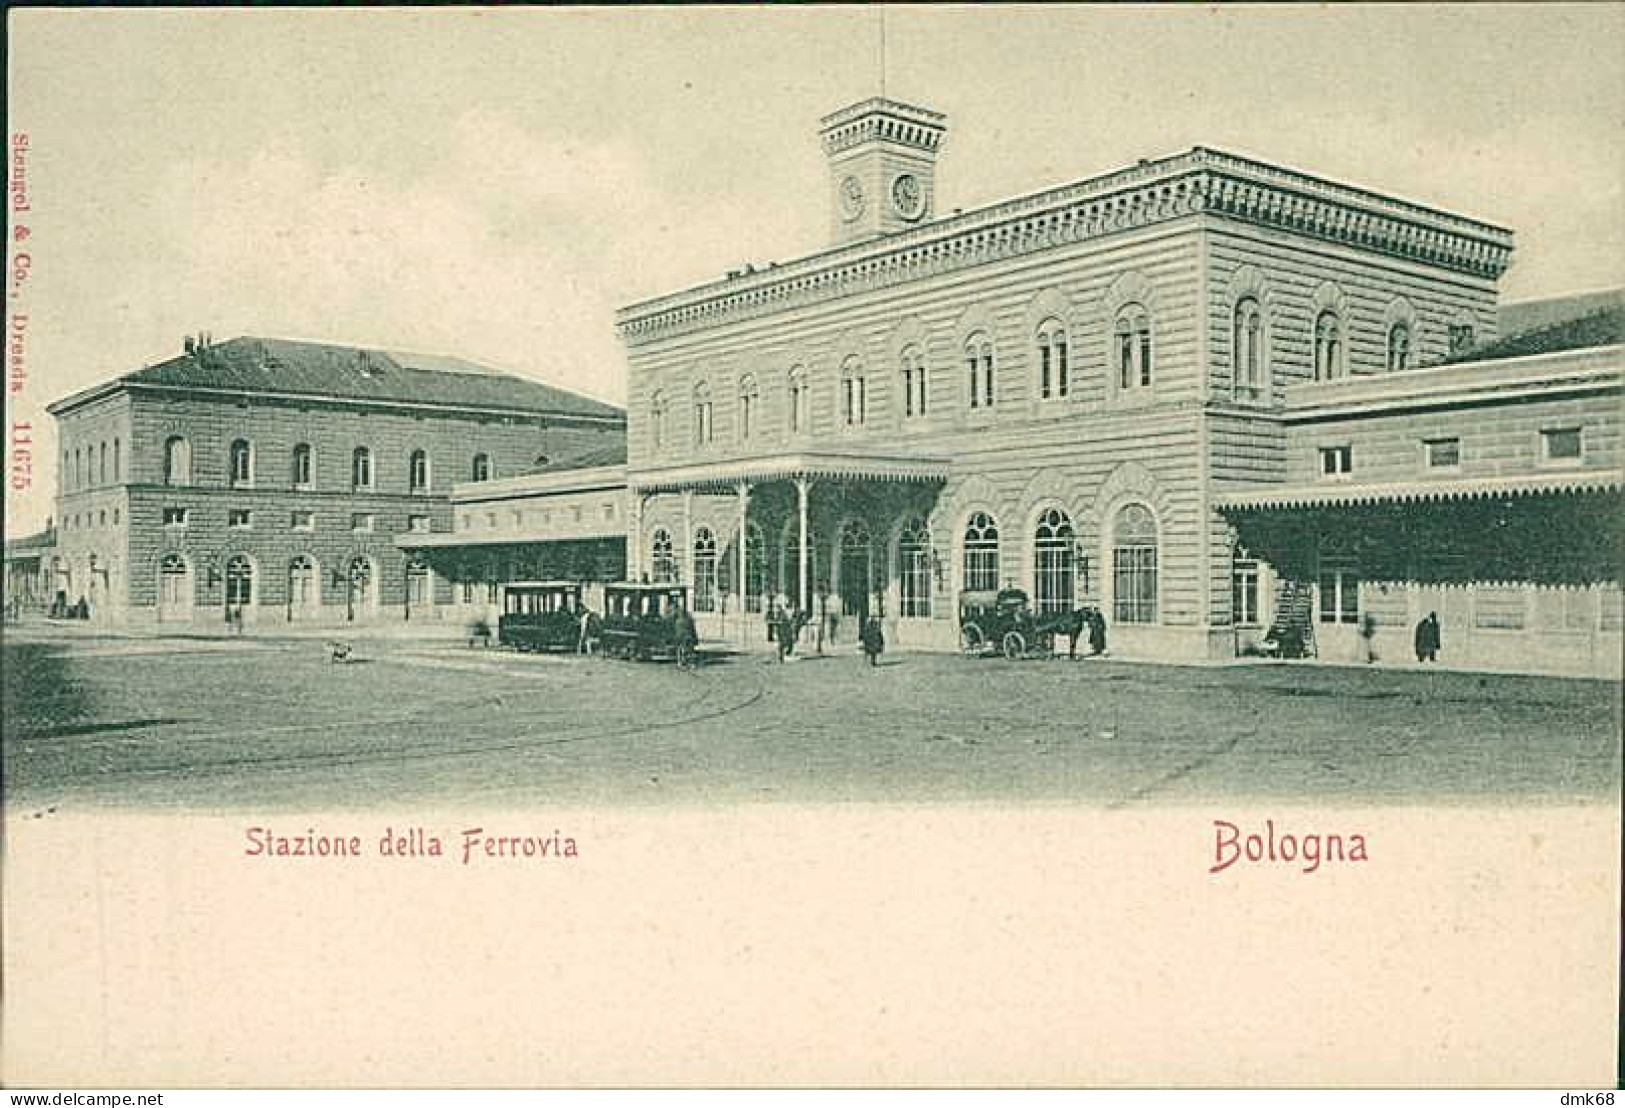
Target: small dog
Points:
(340, 651)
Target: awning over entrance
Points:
(1286, 497)
(729, 473)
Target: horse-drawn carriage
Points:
(643, 621)
(540, 615)
(1005, 622)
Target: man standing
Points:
(1427, 638)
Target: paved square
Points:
(275, 724)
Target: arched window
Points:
(1134, 565)
(361, 468)
(301, 465)
(913, 365)
(914, 570)
(662, 560)
(1054, 370)
(177, 461)
(750, 397)
(239, 581)
(798, 414)
(855, 566)
(981, 553)
(482, 467)
(101, 464)
(304, 583)
(1053, 553)
(117, 461)
(702, 414)
(1133, 347)
(705, 570)
(418, 471)
(242, 463)
(1328, 346)
(657, 423)
(979, 370)
(1399, 347)
(854, 398)
(1247, 344)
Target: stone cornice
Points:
(884, 120)
(1534, 377)
(1199, 181)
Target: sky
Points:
(495, 183)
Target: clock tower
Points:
(882, 167)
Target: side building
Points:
(269, 478)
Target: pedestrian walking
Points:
(874, 639)
(1428, 640)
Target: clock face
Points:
(851, 199)
(908, 197)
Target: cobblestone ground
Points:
(264, 724)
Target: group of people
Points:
(1094, 622)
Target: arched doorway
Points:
(239, 585)
(362, 588)
(174, 589)
(855, 569)
(304, 588)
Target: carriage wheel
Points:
(1014, 645)
(971, 640)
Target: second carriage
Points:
(645, 621)
(1004, 622)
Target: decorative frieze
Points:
(1197, 182)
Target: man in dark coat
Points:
(685, 636)
(1097, 631)
(1427, 638)
(874, 639)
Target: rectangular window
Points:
(1339, 595)
(361, 521)
(238, 517)
(1134, 584)
(303, 521)
(1244, 593)
(1443, 453)
(1062, 384)
(421, 523)
(175, 517)
(1336, 461)
(1561, 444)
(1043, 370)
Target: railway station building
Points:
(1212, 396)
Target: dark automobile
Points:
(540, 615)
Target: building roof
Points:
(1288, 497)
(291, 367)
(1526, 315)
(1603, 326)
(604, 454)
(30, 546)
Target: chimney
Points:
(190, 345)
